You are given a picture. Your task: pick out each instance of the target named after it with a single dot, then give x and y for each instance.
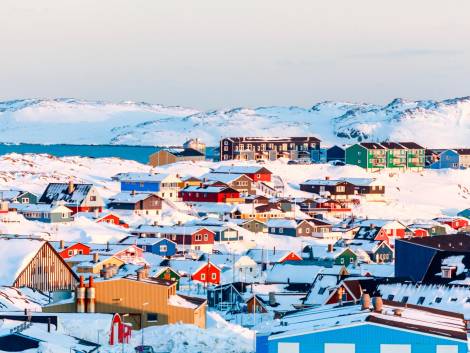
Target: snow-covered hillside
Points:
(430, 123)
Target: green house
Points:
(415, 155)
(368, 155)
(396, 155)
(345, 257)
(167, 274)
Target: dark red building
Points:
(255, 173)
(219, 194)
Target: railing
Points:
(20, 328)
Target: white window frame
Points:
(395, 348)
(340, 348)
(288, 347)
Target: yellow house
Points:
(93, 263)
(141, 300)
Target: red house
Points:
(420, 232)
(220, 194)
(255, 173)
(103, 217)
(380, 230)
(69, 251)
(207, 273)
(453, 222)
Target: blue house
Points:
(335, 153)
(447, 159)
(386, 327)
(157, 246)
(143, 182)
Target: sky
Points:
(215, 54)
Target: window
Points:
(287, 347)
(225, 148)
(342, 261)
(198, 237)
(206, 237)
(92, 198)
(214, 276)
(438, 300)
(25, 200)
(273, 230)
(65, 215)
(281, 230)
(225, 142)
(152, 317)
(163, 248)
(144, 247)
(203, 276)
(420, 301)
(395, 348)
(447, 349)
(340, 348)
(70, 252)
(404, 300)
(340, 188)
(322, 290)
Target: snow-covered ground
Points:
(430, 123)
(410, 196)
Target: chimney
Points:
(96, 257)
(365, 301)
(397, 312)
(133, 192)
(107, 246)
(142, 273)
(80, 297)
(90, 296)
(62, 245)
(378, 304)
(327, 178)
(272, 298)
(330, 248)
(97, 212)
(70, 187)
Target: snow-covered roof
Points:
(223, 178)
(282, 223)
(11, 195)
(145, 177)
(249, 169)
(130, 197)
(267, 255)
(177, 229)
(59, 192)
(15, 255)
(292, 273)
(41, 207)
(423, 320)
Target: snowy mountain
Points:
(431, 123)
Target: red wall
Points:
(262, 177)
(211, 197)
(207, 270)
(420, 233)
(291, 257)
(65, 253)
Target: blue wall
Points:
(449, 159)
(367, 339)
(412, 260)
(145, 186)
(291, 232)
(155, 248)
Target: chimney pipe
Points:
(272, 298)
(96, 257)
(62, 245)
(330, 248)
(327, 178)
(80, 296)
(378, 304)
(365, 301)
(70, 187)
(90, 296)
(48, 324)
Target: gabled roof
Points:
(392, 145)
(453, 242)
(411, 145)
(224, 178)
(463, 151)
(131, 197)
(59, 192)
(372, 145)
(12, 195)
(189, 152)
